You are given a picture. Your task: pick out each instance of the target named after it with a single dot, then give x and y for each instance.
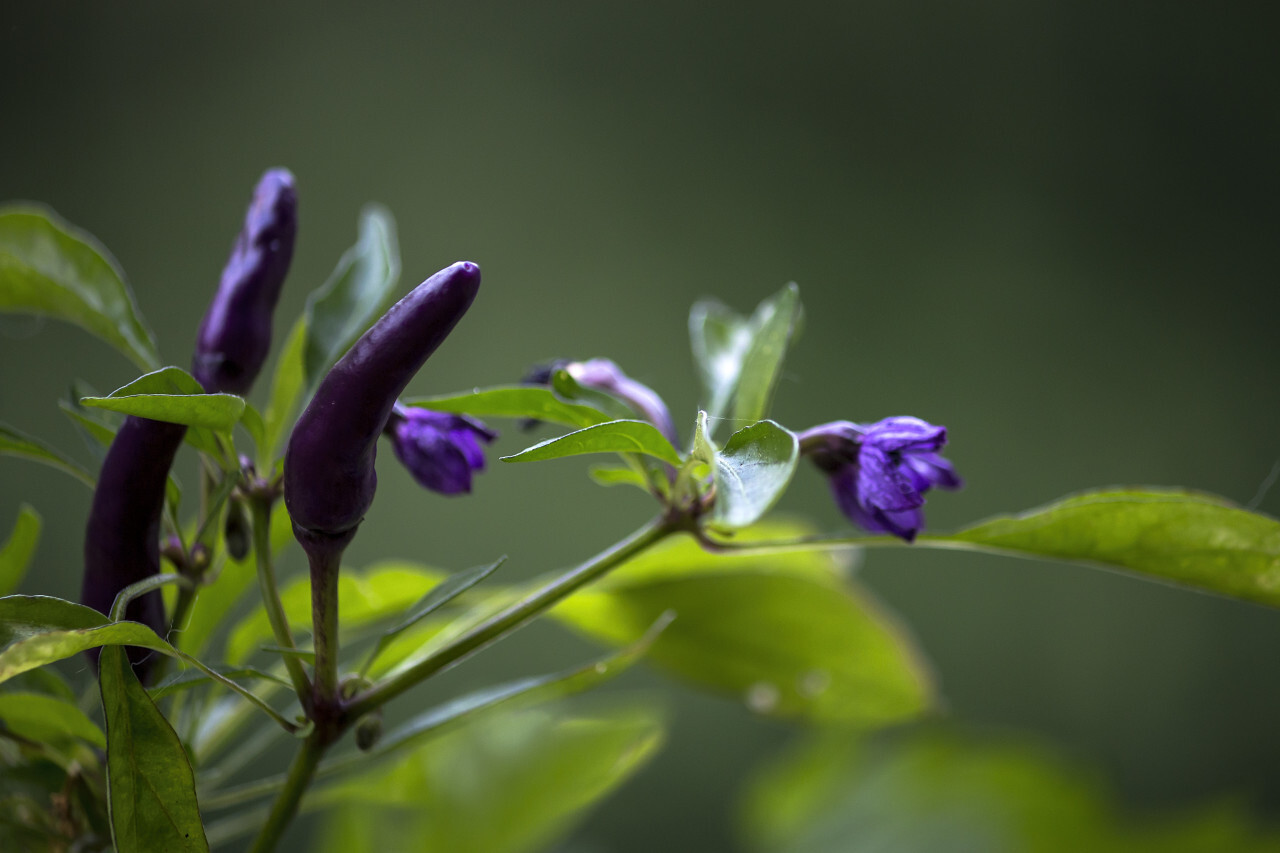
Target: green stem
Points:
(286, 805)
(325, 563)
(261, 509)
(513, 616)
(840, 543)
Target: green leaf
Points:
(609, 475)
(508, 783)
(782, 633)
(36, 630)
(18, 550)
(515, 401)
(51, 268)
(772, 327)
(438, 596)
(836, 792)
(286, 388)
(382, 591)
(611, 437)
(150, 786)
(1186, 538)
(563, 383)
(172, 395)
(358, 290)
(720, 339)
(752, 472)
(14, 443)
(254, 424)
(48, 719)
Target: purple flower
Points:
(439, 449)
(880, 472)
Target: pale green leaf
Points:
(172, 395)
(516, 401)
(14, 443)
(752, 472)
(47, 719)
(51, 268)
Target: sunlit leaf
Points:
(358, 290)
(786, 634)
(720, 339)
(516, 401)
(507, 783)
(612, 437)
(1185, 538)
(836, 792)
(610, 475)
(18, 549)
(150, 785)
(51, 268)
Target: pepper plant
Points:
(164, 755)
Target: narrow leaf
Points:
(150, 786)
(14, 443)
(357, 292)
(440, 595)
(515, 401)
(1186, 538)
(609, 475)
(18, 550)
(772, 327)
(51, 268)
(611, 437)
(752, 472)
(189, 678)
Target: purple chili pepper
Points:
(329, 477)
(235, 336)
(122, 541)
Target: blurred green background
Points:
(1051, 227)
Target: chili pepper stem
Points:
(260, 507)
(296, 783)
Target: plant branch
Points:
(260, 507)
(514, 615)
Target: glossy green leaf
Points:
(836, 792)
(438, 596)
(286, 388)
(611, 437)
(150, 786)
(48, 719)
(515, 401)
(1185, 538)
(51, 268)
(36, 630)
(720, 339)
(172, 395)
(752, 472)
(507, 783)
(772, 327)
(382, 591)
(254, 424)
(783, 633)
(358, 290)
(14, 443)
(563, 383)
(18, 549)
(611, 475)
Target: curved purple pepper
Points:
(235, 335)
(122, 541)
(329, 477)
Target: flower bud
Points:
(235, 336)
(369, 730)
(440, 449)
(236, 531)
(122, 540)
(329, 477)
